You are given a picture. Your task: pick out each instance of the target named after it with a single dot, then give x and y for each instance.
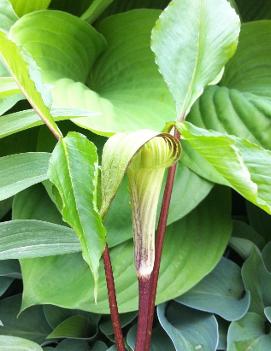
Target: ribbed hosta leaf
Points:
(186, 239)
(24, 6)
(25, 72)
(31, 238)
(113, 94)
(249, 334)
(241, 105)
(16, 122)
(188, 329)
(73, 44)
(73, 170)
(221, 292)
(193, 40)
(20, 171)
(7, 15)
(14, 343)
(230, 161)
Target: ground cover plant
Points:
(135, 187)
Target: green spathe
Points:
(145, 174)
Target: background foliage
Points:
(215, 283)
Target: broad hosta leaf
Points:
(7, 15)
(193, 40)
(8, 102)
(115, 93)
(16, 122)
(221, 292)
(34, 203)
(8, 343)
(74, 327)
(73, 170)
(73, 44)
(95, 9)
(252, 10)
(188, 329)
(231, 161)
(10, 268)
(30, 324)
(72, 345)
(64, 280)
(9, 92)
(20, 171)
(244, 90)
(257, 280)
(249, 334)
(159, 342)
(24, 6)
(26, 73)
(31, 238)
(106, 326)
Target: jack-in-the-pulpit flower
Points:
(145, 173)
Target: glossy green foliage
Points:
(186, 239)
(193, 40)
(97, 63)
(240, 105)
(19, 171)
(230, 161)
(73, 170)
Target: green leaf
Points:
(16, 122)
(244, 90)
(159, 342)
(20, 171)
(30, 324)
(74, 327)
(244, 238)
(249, 334)
(64, 280)
(24, 6)
(253, 10)
(10, 268)
(8, 343)
(31, 238)
(72, 345)
(193, 40)
(73, 170)
(129, 97)
(95, 9)
(221, 292)
(106, 326)
(34, 203)
(229, 160)
(26, 74)
(73, 44)
(7, 15)
(188, 329)
(257, 280)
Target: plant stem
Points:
(113, 300)
(144, 284)
(109, 281)
(160, 236)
